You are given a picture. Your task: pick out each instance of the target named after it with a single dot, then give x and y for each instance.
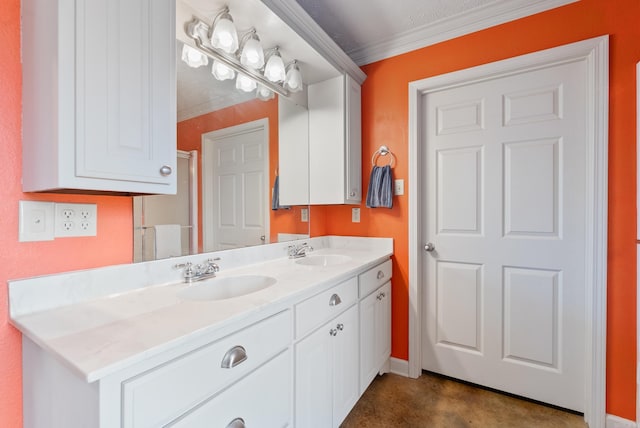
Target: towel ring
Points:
(383, 151)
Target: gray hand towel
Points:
(380, 193)
(275, 196)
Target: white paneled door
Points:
(236, 186)
(505, 216)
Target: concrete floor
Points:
(434, 401)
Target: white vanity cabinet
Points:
(99, 96)
(326, 361)
(335, 141)
(187, 388)
(375, 322)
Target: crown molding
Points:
(297, 18)
(455, 26)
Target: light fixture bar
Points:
(198, 30)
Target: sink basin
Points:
(323, 260)
(226, 287)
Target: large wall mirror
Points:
(228, 148)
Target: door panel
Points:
(505, 163)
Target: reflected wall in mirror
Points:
(229, 207)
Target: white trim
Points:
(476, 19)
(207, 172)
(193, 199)
(638, 237)
(613, 421)
(299, 20)
(399, 367)
(595, 53)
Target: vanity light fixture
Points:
(251, 52)
(224, 35)
(252, 74)
(193, 57)
(221, 72)
(293, 80)
(274, 70)
(245, 83)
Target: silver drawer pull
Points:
(335, 300)
(380, 274)
(236, 423)
(165, 170)
(232, 358)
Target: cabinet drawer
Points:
(159, 395)
(322, 307)
(262, 399)
(374, 278)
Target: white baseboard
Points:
(399, 367)
(613, 421)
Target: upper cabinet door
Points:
(108, 122)
(335, 153)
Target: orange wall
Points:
(385, 118)
(113, 245)
(384, 122)
(190, 138)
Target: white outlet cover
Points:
(36, 221)
(355, 215)
(72, 220)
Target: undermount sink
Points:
(323, 260)
(226, 287)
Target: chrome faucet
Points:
(193, 273)
(297, 251)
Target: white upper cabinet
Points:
(335, 146)
(99, 96)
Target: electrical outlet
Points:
(304, 215)
(75, 220)
(355, 215)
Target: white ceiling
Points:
(371, 30)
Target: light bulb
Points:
(221, 72)
(293, 81)
(193, 57)
(264, 93)
(224, 36)
(245, 83)
(274, 70)
(252, 54)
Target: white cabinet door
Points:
(345, 364)
(327, 372)
(335, 175)
(353, 146)
(104, 118)
(313, 383)
(293, 152)
(375, 333)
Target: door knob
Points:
(429, 247)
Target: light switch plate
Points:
(398, 188)
(36, 221)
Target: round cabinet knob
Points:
(333, 332)
(236, 423)
(352, 194)
(165, 170)
(340, 326)
(429, 247)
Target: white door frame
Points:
(207, 172)
(596, 54)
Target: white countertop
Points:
(99, 336)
